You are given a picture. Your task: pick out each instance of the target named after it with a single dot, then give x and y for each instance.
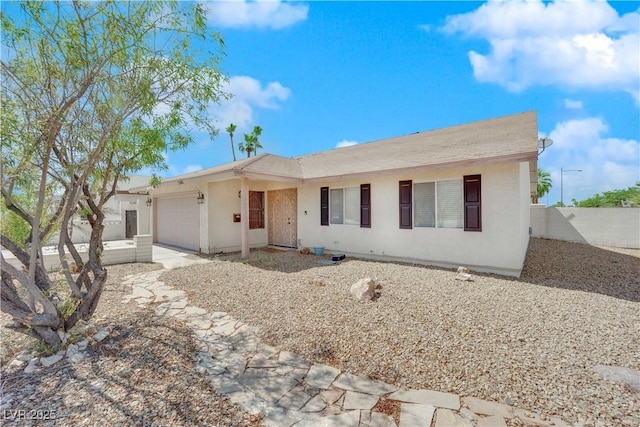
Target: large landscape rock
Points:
(364, 289)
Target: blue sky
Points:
(317, 75)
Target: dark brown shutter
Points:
(324, 206)
(405, 204)
(256, 209)
(365, 205)
(472, 203)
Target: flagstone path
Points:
(289, 390)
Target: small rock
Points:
(364, 289)
(31, 367)
(7, 400)
(16, 363)
(64, 336)
(24, 356)
(463, 274)
(72, 349)
(82, 345)
(48, 361)
(74, 354)
(100, 335)
(76, 357)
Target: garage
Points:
(178, 222)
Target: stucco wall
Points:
(115, 221)
(525, 203)
(499, 247)
(224, 234)
(616, 227)
(137, 250)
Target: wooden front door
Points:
(131, 224)
(283, 221)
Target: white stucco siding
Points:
(224, 234)
(525, 207)
(498, 247)
(139, 204)
(114, 225)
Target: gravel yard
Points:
(530, 342)
(142, 375)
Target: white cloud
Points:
(259, 14)
(606, 163)
(248, 94)
(575, 44)
(345, 143)
(572, 104)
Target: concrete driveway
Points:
(172, 257)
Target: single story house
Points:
(127, 213)
(446, 197)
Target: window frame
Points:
(360, 207)
(470, 204)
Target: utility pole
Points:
(562, 171)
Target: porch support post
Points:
(204, 221)
(244, 215)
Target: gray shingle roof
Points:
(505, 137)
(513, 137)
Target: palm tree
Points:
(248, 145)
(230, 130)
(544, 184)
(257, 131)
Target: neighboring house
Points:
(447, 197)
(127, 213)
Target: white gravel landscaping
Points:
(530, 343)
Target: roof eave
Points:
(267, 176)
(510, 158)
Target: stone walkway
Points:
(289, 390)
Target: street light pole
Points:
(562, 171)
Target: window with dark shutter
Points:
(324, 206)
(405, 204)
(472, 203)
(365, 205)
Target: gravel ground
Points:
(142, 375)
(530, 342)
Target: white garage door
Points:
(178, 222)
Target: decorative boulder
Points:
(364, 289)
(463, 274)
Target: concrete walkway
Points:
(172, 257)
(289, 390)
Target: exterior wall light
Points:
(200, 198)
(149, 201)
